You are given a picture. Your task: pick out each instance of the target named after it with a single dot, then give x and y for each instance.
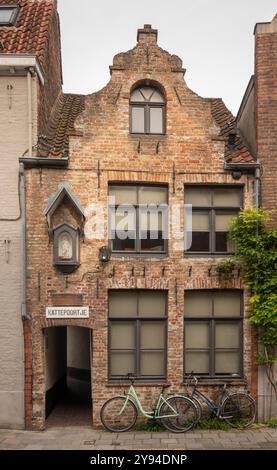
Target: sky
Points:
(214, 38)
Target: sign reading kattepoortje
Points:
(67, 312)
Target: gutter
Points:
(38, 162)
(241, 166)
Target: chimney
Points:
(147, 35)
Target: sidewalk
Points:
(86, 438)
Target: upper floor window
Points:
(8, 14)
(138, 218)
(212, 210)
(147, 108)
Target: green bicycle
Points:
(176, 413)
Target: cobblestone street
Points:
(85, 438)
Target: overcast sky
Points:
(214, 38)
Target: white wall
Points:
(55, 355)
(13, 143)
(78, 347)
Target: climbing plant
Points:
(256, 252)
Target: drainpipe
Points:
(30, 117)
(257, 200)
(23, 243)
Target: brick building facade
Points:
(154, 309)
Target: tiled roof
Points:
(227, 123)
(30, 32)
(61, 124)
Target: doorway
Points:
(68, 400)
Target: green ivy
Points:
(256, 252)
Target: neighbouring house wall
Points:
(13, 143)
(246, 119)
(55, 355)
(78, 348)
(266, 110)
(266, 128)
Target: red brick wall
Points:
(266, 110)
(191, 142)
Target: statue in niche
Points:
(65, 246)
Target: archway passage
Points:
(68, 400)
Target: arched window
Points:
(147, 108)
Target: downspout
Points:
(257, 195)
(23, 243)
(30, 116)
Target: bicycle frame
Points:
(132, 396)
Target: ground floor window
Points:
(137, 333)
(213, 335)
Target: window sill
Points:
(206, 255)
(138, 255)
(137, 384)
(217, 382)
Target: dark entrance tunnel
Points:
(68, 400)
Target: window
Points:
(147, 108)
(138, 219)
(212, 210)
(137, 333)
(8, 15)
(213, 333)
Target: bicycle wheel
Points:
(239, 410)
(187, 414)
(198, 405)
(117, 418)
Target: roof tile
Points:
(29, 35)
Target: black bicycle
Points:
(237, 408)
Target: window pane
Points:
(122, 304)
(152, 195)
(137, 119)
(200, 221)
(6, 14)
(152, 304)
(227, 304)
(197, 361)
(227, 362)
(227, 197)
(123, 219)
(152, 229)
(198, 197)
(197, 335)
(122, 363)
(123, 335)
(137, 96)
(152, 363)
(222, 240)
(121, 244)
(152, 335)
(157, 97)
(198, 304)
(227, 335)
(156, 120)
(124, 194)
(222, 222)
(147, 92)
(200, 231)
